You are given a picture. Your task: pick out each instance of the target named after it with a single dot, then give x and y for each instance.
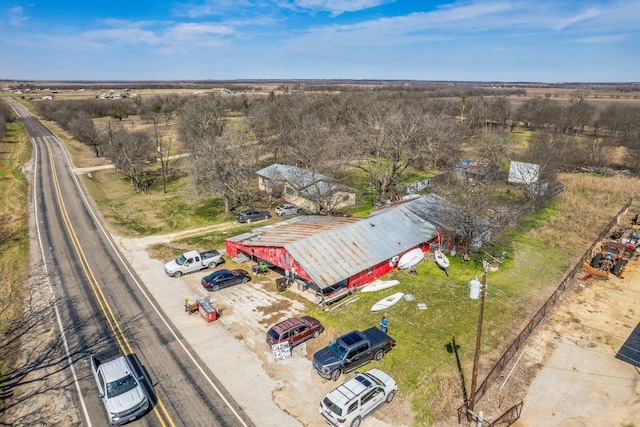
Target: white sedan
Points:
(287, 209)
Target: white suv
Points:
(351, 402)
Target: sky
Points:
(467, 40)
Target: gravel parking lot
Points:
(273, 393)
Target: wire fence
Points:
(520, 340)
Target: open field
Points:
(15, 150)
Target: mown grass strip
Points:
(15, 151)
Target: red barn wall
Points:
(275, 255)
(279, 257)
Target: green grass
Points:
(424, 356)
(423, 362)
(14, 216)
(139, 214)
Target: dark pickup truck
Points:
(351, 351)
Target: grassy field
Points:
(15, 150)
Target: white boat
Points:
(411, 258)
(442, 260)
(378, 285)
(387, 302)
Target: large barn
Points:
(327, 251)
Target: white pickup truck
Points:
(192, 261)
(119, 386)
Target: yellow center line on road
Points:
(110, 317)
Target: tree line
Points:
(383, 134)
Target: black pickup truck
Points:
(351, 351)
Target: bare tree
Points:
(500, 111)
(619, 119)
(463, 210)
(442, 141)
(387, 137)
(223, 166)
(578, 114)
(495, 148)
(201, 119)
(631, 141)
(164, 151)
(119, 109)
(539, 112)
(222, 158)
(131, 153)
(84, 130)
(548, 151)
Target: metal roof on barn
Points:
(332, 249)
(292, 230)
(431, 211)
(427, 213)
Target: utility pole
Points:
(474, 374)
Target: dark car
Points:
(249, 215)
(294, 330)
(224, 278)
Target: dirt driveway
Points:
(577, 379)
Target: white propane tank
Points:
(474, 288)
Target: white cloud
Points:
(583, 16)
(210, 8)
(16, 17)
(192, 31)
(481, 20)
(123, 32)
(335, 7)
(601, 39)
(467, 11)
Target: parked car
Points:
(350, 351)
(193, 261)
(224, 278)
(357, 398)
(286, 209)
(294, 330)
(249, 215)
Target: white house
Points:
(312, 191)
(523, 173)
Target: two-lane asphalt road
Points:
(102, 304)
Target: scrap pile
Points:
(613, 255)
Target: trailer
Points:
(203, 306)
